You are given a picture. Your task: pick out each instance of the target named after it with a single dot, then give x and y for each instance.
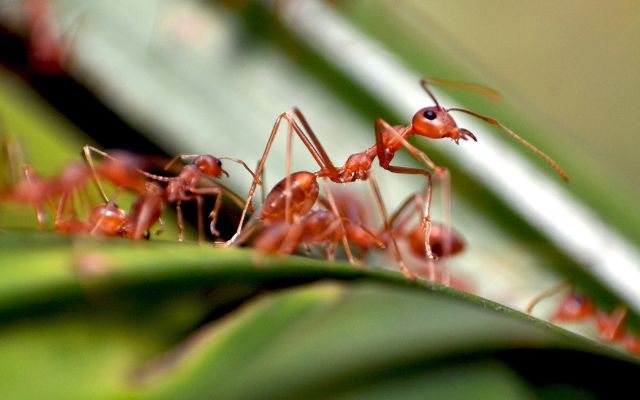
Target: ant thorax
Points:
(357, 167)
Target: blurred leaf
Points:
(105, 318)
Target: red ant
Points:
(109, 220)
(308, 227)
(298, 192)
(433, 122)
(184, 187)
(444, 242)
(575, 307)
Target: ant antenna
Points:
(425, 85)
(256, 178)
(511, 133)
(485, 91)
(546, 294)
(179, 157)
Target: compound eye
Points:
(219, 163)
(430, 114)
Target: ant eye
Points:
(430, 114)
(219, 163)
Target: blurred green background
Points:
(210, 77)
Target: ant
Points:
(326, 225)
(184, 187)
(295, 195)
(433, 122)
(444, 242)
(575, 307)
(110, 220)
(298, 192)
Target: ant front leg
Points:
(385, 154)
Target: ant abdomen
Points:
(304, 193)
(443, 243)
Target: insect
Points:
(326, 225)
(575, 307)
(444, 242)
(185, 187)
(433, 122)
(297, 192)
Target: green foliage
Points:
(82, 317)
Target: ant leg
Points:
(218, 192)
(262, 179)
(308, 144)
(382, 126)
(414, 199)
(387, 226)
(179, 221)
(426, 226)
(41, 216)
(254, 184)
(287, 171)
(59, 217)
(334, 209)
(368, 231)
(445, 178)
(200, 222)
(611, 326)
(326, 163)
(160, 228)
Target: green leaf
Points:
(108, 318)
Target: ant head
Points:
(210, 166)
(574, 307)
(436, 123)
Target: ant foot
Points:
(441, 171)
